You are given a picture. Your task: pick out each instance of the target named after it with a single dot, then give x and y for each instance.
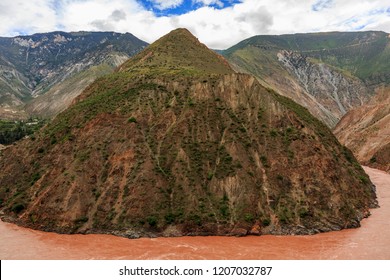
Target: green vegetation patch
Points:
(12, 131)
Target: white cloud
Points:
(217, 28)
(166, 4)
(26, 17)
(209, 2)
(321, 5)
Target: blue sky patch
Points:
(186, 6)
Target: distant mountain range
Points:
(328, 73)
(41, 74)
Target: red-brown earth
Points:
(370, 241)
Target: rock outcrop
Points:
(366, 131)
(329, 92)
(328, 73)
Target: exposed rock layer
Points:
(328, 73)
(366, 131)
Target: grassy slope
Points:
(166, 57)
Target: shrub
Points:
(152, 221)
(81, 220)
(169, 218)
(348, 154)
(35, 177)
(264, 161)
(53, 140)
(17, 208)
(266, 222)
(303, 212)
(364, 179)
(249, 218)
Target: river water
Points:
(370, 241)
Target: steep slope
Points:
(60, 95)
(366, 131)
(180, 53)
(31, 66)
(330, 73)
(176, 143)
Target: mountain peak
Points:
(178, 52)
(181, 32)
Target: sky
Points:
(217, 23)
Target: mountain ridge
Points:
(31, 65)
(330, 73)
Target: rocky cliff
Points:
(46, 71)
(366, 131)
(328, 91)
(175, 143)
(330, 73)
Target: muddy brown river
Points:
(370, 241)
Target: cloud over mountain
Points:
(218, 23)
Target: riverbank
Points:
(370, 241)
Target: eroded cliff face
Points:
(328, 73)
(14, 86)
(366, 131)
(335, 92)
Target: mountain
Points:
(176, 143)
(366, 131)
(46, 71)
(328, 73)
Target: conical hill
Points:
(179, 53)
(192, 150)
